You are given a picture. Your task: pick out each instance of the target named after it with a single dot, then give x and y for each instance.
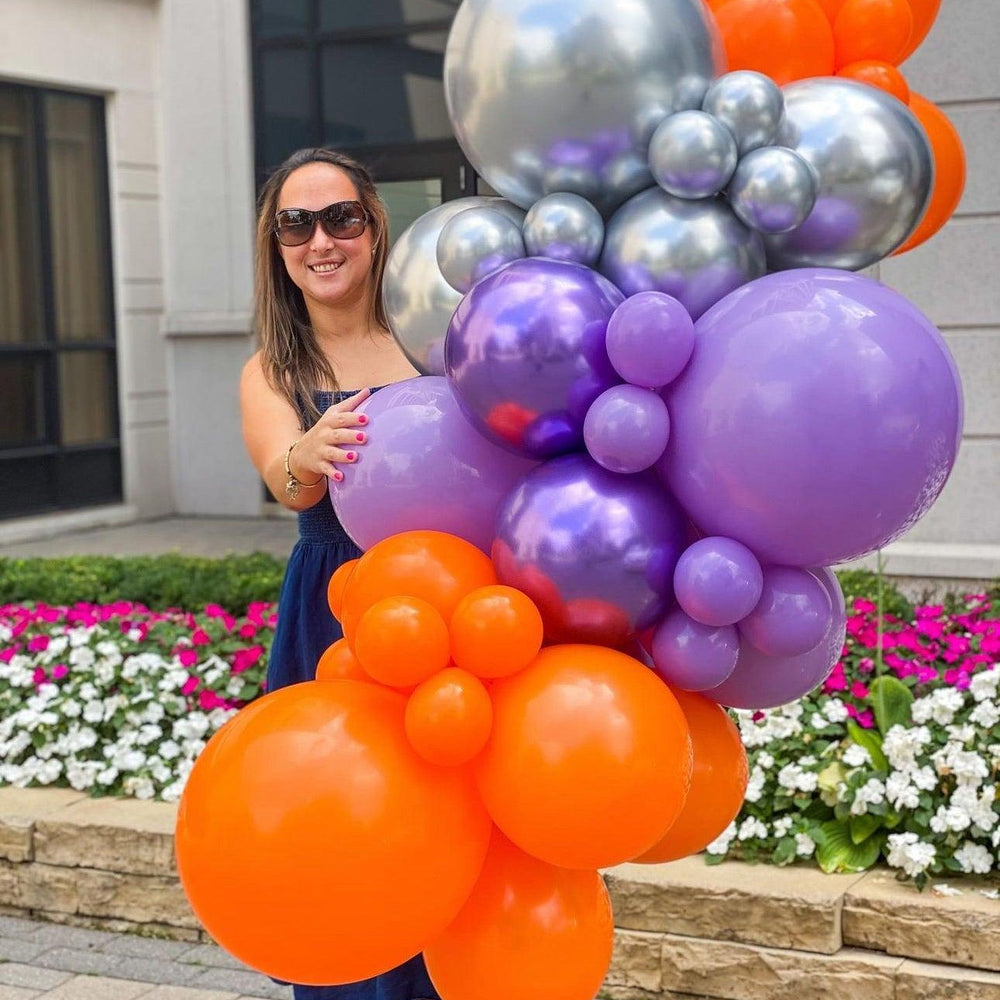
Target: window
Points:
(59, 446)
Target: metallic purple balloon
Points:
(762, 681)
(595, 551)
(650, 339)
(424, 466)
(526, 355)
(692, 656)
(626, 428)
(818, 419)
(792, 615)
(718, 581)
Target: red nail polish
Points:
(338, 476)
(362, 419)
(361, 437)
(350, 456)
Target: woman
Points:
(322, 242)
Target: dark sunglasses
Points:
(343, 220)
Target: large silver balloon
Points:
(874, 168)
(697, 251)
(476, 243)
(564, 227)
(563, 95)
(418, 301)
(773, 189)
(749, 104)
(692, 155)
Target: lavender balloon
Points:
(718, 581)
(792, 615)
(650, 339)
(819, 418)
(594, 550)
(692, 656)
(626, 428)
(525, 353)
(762, 681)
(424, 466)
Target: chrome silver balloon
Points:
(418, 301)
(692, 155)
(773, 190)
(476, 243)
(563, 95)
(696, 251)
(564, 227)
(874, 170)
(749, 104)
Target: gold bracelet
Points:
(293, 485)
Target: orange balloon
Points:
(949, 170)
(495, 631)
(718, 781)
(879, 74)
(831, 8)
(784, 39)
(449, 717)
(924, 14)
(401, 641)
(338, 663)
(308, 820)
(335, 588)
(438, 568)
(529, 930)
(872, 29)
(589, 760)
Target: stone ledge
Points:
(924, 981)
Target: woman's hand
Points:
(333, 440)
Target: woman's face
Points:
(328, 271)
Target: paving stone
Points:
(18, 993)
(211, 955)
(98, 988)
(80, 938)
(185, 993)
(19, 949)
(79, 960)
(16, 837)
(146, 947)
(16, 974)
(188, 936)
(252, 984)
(19, 808)
(635, 962)
(17, 927)
(155, 970)
(927, 981)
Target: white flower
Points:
(193, 726)
(107, 776)
(751, 828)
(169, 750)
(900, 792)
(141, 788)
(71, 709)
(950, 818)
(78, 636)
(721, 843)
(153, 713)
(966, 765)
(795, 779)
(985, 714)
(977, 804)
(856, 756)
(765, 760)
(81, 656)
(925, 778)
(804, 845)
(974, 859)
(93, 711)
(902, 746)
(984, 684)
(835, 710)
(782, 825)
(872, 792)
(908, 852)
(82, 773)
(148, 733)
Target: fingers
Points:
(351, 403)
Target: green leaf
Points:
(784, 853)
(871, 741)
(862, 827)
(837, 852)
(714, 859)
(890, 699)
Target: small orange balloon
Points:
(495, 631)
(529, 930)
(449, 717)
(338, 663)
(436, 567)
(949, 170)
(718, 781)
(924, 14)
(589, 760)
(401, 641)
(338, 582)
(784, 39)
(872, 29)
(883, 75)
(831, 8)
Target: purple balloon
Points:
(626, 428)
(762, 681)
(792, 615)
(718, 581)
(650, 339)
(692, 656)
(594, 550)
(526, 353)
(424, 466)
(819, 418)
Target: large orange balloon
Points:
(831, 8)
(338, 663)
(316, 846)
(495, 631)
(949, 170)
(529, 931)
(872, 29)
(449, 717)
(335, 588)
(879, 74)
(924, 14)
(401, 641)
(438, 568)
(784, 39)
(718, 782)
(589, 760)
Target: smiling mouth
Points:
(326, 267)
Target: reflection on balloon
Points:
(338, 663)
(495, 631)
(718, 581)
(564, 226)
(792, 615)
(749, 104)
(692, 656)
(773, 190)
(692, 155)
(626, 428)
(475, 243)
(650, 339)
(400, 641)
(449, 717)
(871, 29)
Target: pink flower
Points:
(207, 700)
(214, 611)
(189, 685)
(38, 643)
(859, 691)
(40, 676)
(243, 659)
(248, 631)
(861, 604)
(200, 637)
(59, 671)
(929, 611)
(866, 664)
(8, 654)
(188, 657)
(865, 719)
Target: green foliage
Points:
(838, 848)
(863, 583)
(871, 741)
(890, 700)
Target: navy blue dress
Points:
(305, 628)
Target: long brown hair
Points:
(291, 359)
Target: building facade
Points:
(133, 135)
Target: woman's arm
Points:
(270, 425)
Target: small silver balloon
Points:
(692, 155)
(564, 227)
(696, 251)
(476, 243)
(749, 104)
(418, 301)
(562, 95)
(874, 171)
(773, 189)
